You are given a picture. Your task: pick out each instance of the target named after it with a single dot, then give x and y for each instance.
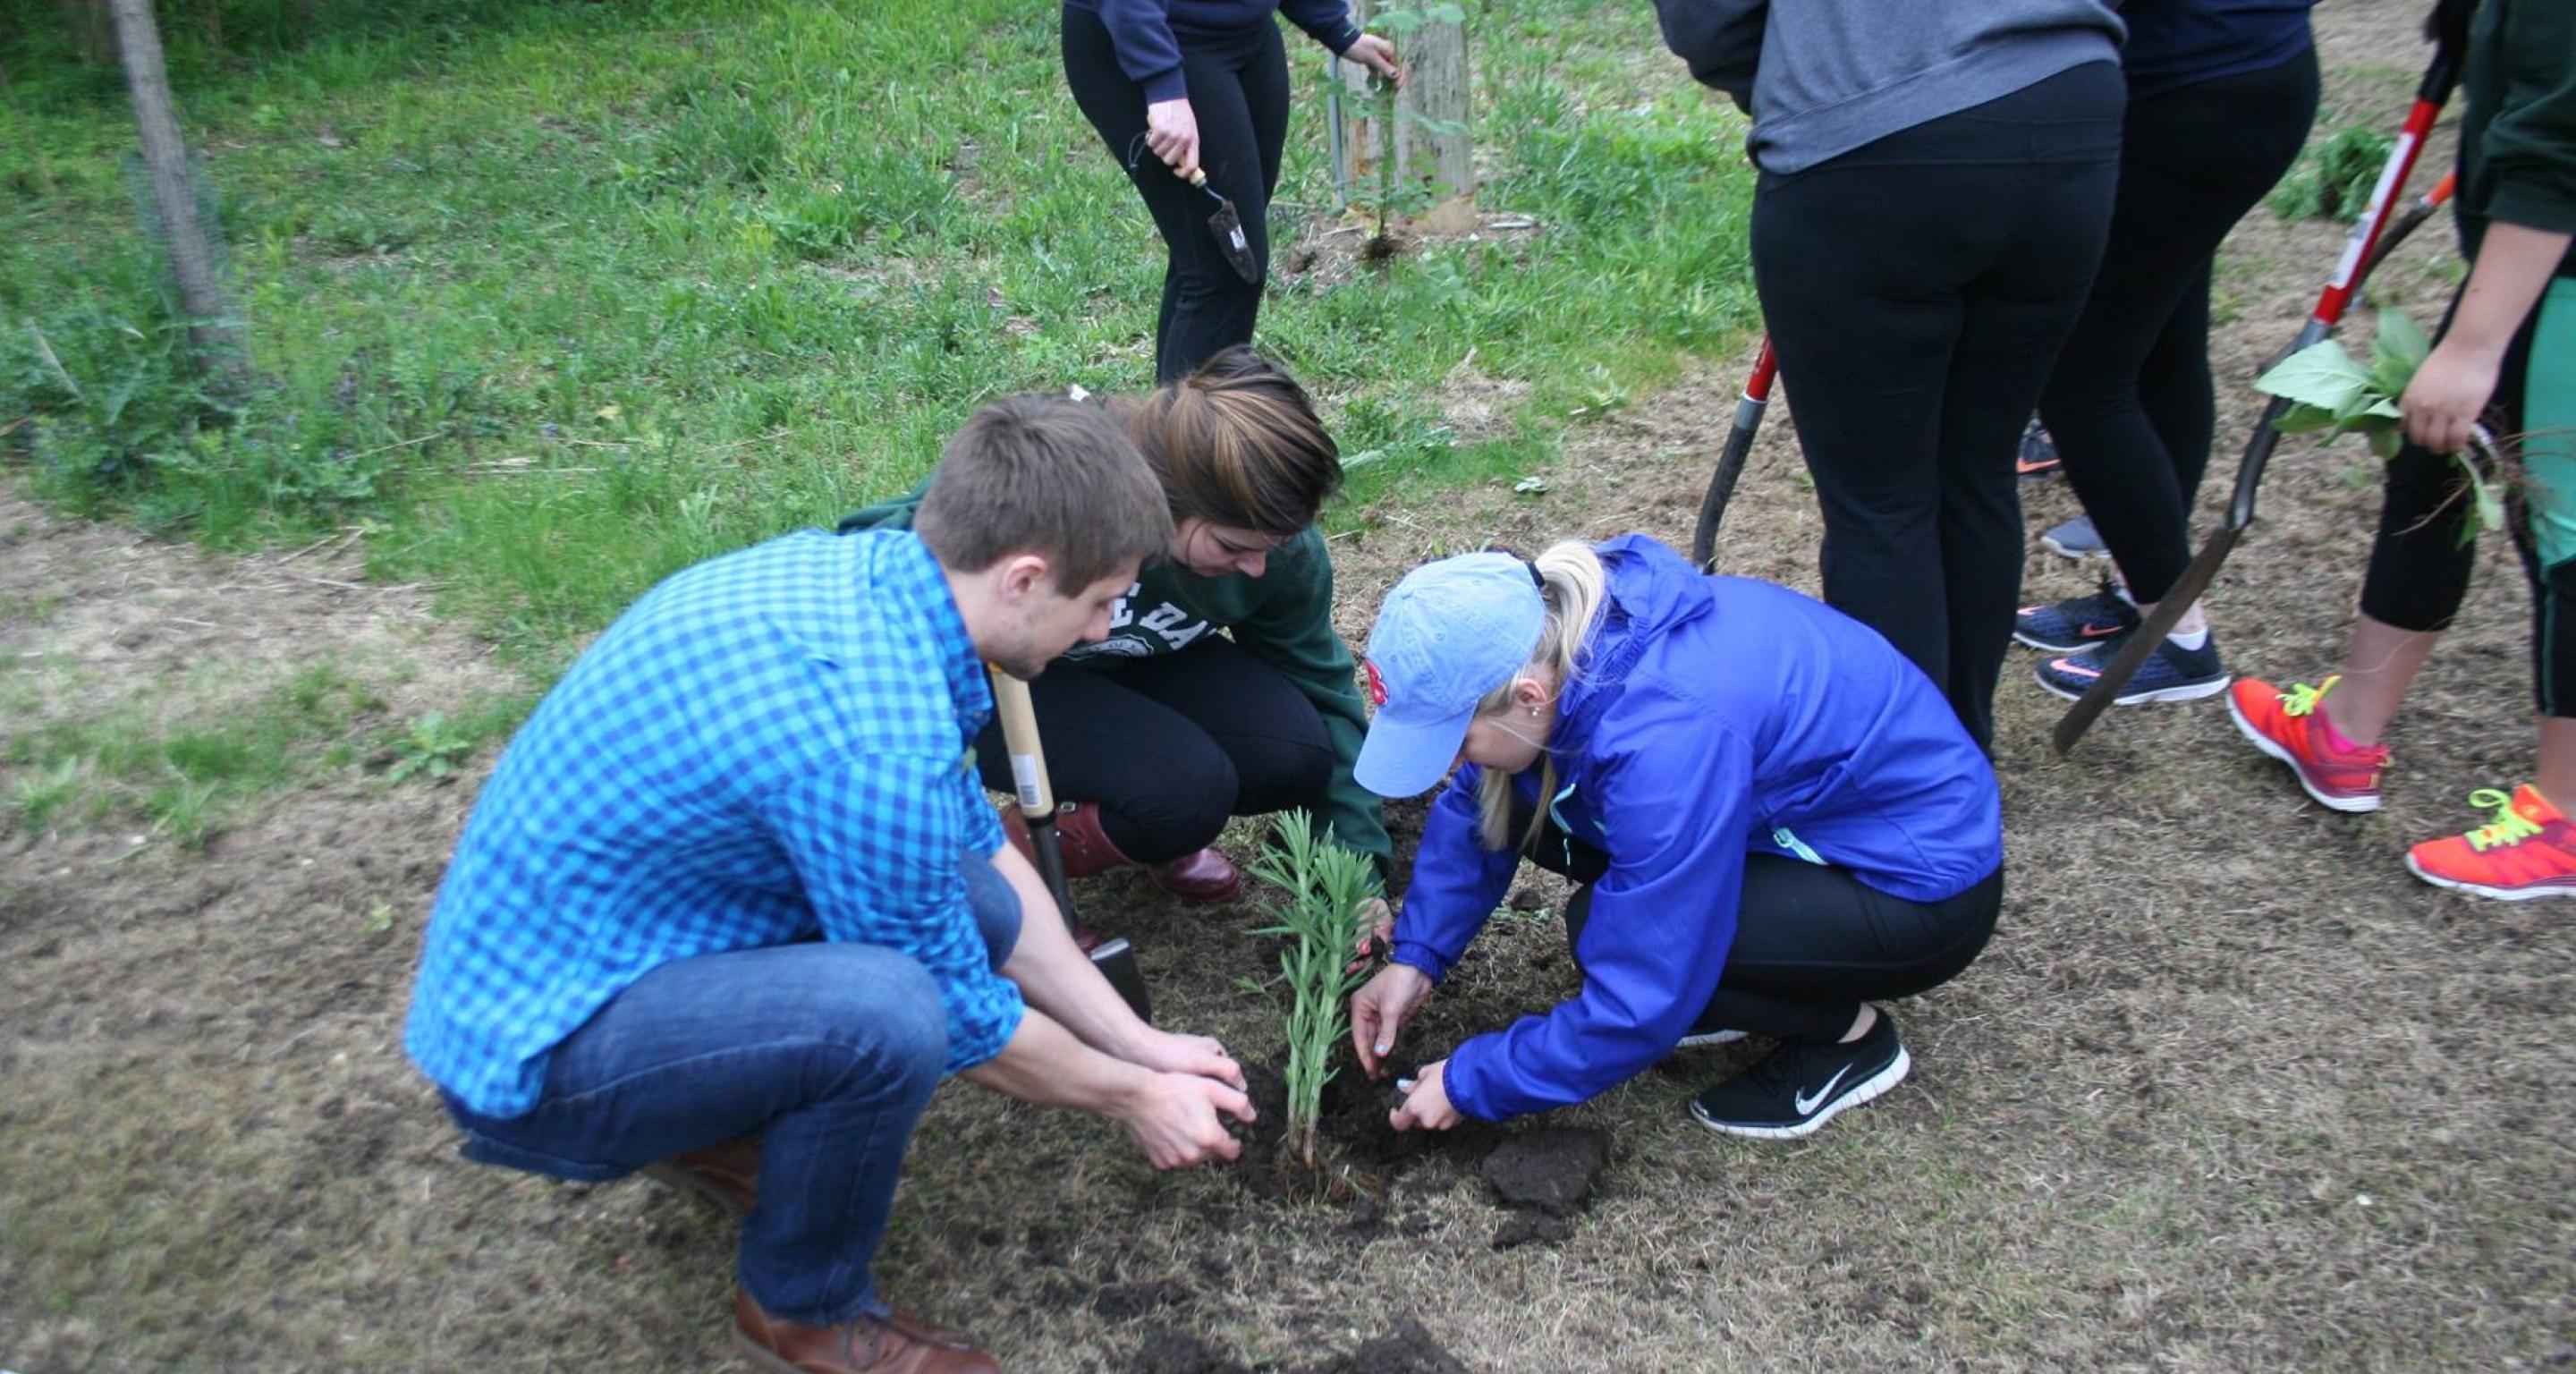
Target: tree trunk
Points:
(212, 328)
(1436, 91)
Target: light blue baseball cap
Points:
(1449, 633)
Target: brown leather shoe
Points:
(1207, 876)
(892, 1344)
(727, 1175)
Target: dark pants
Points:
(2421, 562)
(1170, 746)
(1238, 92)
(1916, 290)
(826, 1052)
(1812, 942)
(2130, 403)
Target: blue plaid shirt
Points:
(768, 746)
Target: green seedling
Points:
(1323, 886)
(2333, 179)
(41, 796)
(431, 748)
(2331, 391)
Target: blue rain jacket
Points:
(1714, 717)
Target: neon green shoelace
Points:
(2301, 699)
(2510, 827)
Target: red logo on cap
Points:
(1377, 685)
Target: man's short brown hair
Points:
(1049, 476)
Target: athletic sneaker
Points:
(1800, 1087)
(2288, 726)
(2036, 461)
(2075, 539)
(2078, 622)
(2527, 851)
(2171, 673)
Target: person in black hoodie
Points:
(1180, 86)
(1936, 185)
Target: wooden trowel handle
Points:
(1020, 739)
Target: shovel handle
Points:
(1020, 740)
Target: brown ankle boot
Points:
(892, 1344)
(1207, 876)
(727, 1175)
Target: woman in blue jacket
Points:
(1771, 816)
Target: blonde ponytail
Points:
(1574, 587)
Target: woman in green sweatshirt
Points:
(1222, 689)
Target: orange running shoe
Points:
(2527, 851)
(2286, 726)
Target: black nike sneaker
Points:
(1800, 1087)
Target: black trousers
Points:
(1238, 91)
(2130, 403)
(1812, 942)
(1917, 290)
(2421, 562)
(1170, 746)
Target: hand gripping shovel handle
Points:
(2359, 256)
(1730, 460)
(1115, 959)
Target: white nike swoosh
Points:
(1807, 1104)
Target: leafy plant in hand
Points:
(2329, 390)
(1324, 886)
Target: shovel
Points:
(1228, 228)
(2361, 252)
(1115, 959)
(1730, 460)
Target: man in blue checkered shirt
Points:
(734, 903)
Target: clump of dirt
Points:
(1362, 1153)
(1550, 1169)
(1178, 1352)
(1529, 1224)
(1406, 1349)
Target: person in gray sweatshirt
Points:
(1936, 186)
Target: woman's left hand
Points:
(1427, 1107)
(1377, 55)
(2449, 393)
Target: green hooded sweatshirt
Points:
(2518, 128)
(1283, 618)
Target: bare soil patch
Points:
(2230, 1091)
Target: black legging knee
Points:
(1170, 746)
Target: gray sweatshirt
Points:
(1822, 77)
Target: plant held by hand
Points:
(1324, 885)
(2330, 390)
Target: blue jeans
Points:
(827, 1052)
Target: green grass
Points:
(188, 777)
(569, 296)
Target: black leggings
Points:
(2130, 403)
(1238, 92)
(2421, 562)
(1812, 941)
(1172, 745)
(1916, 290)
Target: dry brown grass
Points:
(2230, 1091)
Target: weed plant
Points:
(2333, 179)
(1322, 887)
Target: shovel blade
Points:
(1228, 228)
(1117, 963)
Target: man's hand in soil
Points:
(1199, 1055)
(1379, 1010)
(1427, 1107)
(1174, 1118)
(1172, 131)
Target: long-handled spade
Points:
(1115, 959)
(2359, 255)
(1730, 460)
